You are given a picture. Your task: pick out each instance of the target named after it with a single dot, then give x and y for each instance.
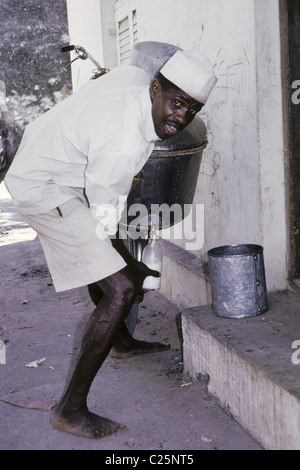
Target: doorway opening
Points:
(293, 8)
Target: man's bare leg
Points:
(72, 414)
(125, 345)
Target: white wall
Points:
(272, 143)
(242, 176)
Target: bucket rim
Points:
(217, 251)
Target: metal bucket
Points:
(171, 175)
(238, 281)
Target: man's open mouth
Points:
(170, 129)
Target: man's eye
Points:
(193, 111)
(177, 103)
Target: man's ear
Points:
(154, 88)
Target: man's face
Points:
(172, 110)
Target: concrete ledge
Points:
(248, 365)
(185, 279)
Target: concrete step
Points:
(185, 277)
(252, 366)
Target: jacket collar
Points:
(146, 108)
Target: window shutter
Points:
(134, 27)
(124, 41)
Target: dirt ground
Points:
(159, 404)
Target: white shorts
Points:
(75, 255)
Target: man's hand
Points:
(140, 270)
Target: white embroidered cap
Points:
(192, 72)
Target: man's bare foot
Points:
(121, 350)
(84, 423)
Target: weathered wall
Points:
(32, 64)
(244, 178)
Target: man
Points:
(70, 180)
